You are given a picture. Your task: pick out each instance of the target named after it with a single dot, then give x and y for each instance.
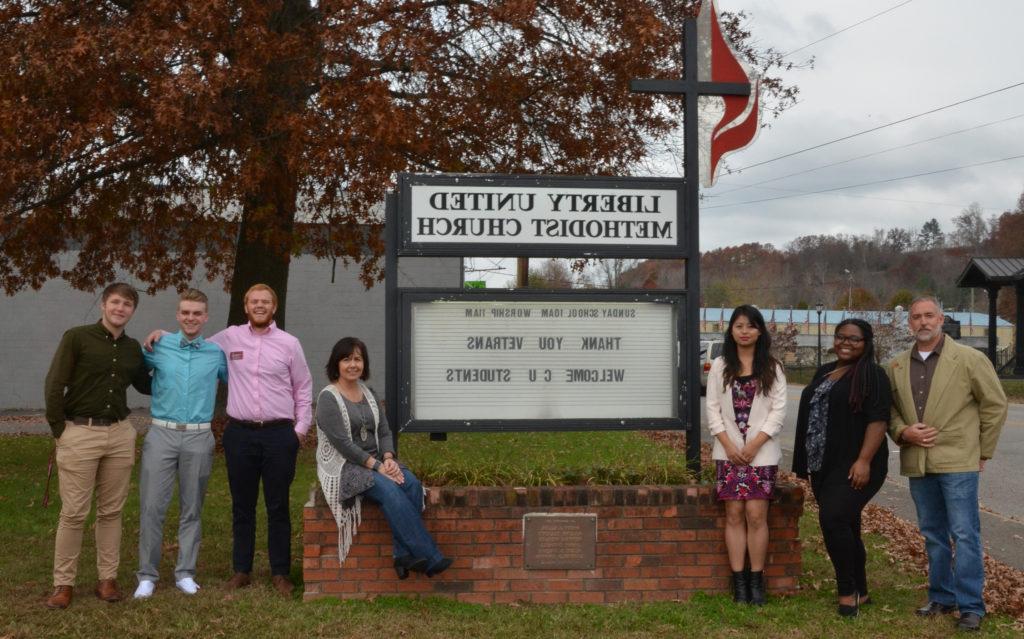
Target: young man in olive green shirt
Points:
(87, 408)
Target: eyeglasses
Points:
(849, 339)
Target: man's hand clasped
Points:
(919, 435)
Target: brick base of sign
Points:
(654, 543)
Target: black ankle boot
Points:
(741, 586)
(403, 565)
(757, 588)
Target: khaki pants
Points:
(92, 458)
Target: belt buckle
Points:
(181, 427)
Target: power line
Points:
(872, 197)
(856, 24)
(868, 155)
(854, 186)
(877, 128)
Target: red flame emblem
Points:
(739, 123)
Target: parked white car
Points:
(709, 350)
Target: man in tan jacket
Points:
(948, 409)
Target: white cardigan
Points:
(766, 415)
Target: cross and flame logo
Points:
(727, 123)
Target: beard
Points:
(261, 323)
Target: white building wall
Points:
(319, 313)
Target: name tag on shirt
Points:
(236, 354)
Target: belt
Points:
(270, 423)
(93, 421)
(177, 426)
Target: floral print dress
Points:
(744, 482)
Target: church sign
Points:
(488, 214)
(594, 359)
(494, 211)
(524, 359)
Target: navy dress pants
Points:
(253, 454)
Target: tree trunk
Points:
(265, 239)
(268, 208)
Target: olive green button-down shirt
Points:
(90, 374)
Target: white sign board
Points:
(543, 215)
(543, 360)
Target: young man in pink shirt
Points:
(270, 392)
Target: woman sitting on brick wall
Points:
(356, 458)
(746, 404)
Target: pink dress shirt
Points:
(268, 377)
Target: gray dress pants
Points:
(168, 453)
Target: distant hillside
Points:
(876, 272)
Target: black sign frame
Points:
(398, 244)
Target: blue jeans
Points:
(947, 512)
(402, 505)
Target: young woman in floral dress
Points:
(746, 404)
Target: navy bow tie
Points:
(194, 345)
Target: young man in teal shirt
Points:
(185, 372)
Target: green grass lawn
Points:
(26, 552)
(1014, 389)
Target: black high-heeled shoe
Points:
(440, 566)
(405, 565)
(850, 611)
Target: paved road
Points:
(1002, 498)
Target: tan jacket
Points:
(966, 404)
(766, 416)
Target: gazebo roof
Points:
(983, 272)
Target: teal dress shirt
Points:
(185, 375)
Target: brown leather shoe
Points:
(238, 580)
(283, 585)
(107, 590)
(60, 599)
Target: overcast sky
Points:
(920, 56)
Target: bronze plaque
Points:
(559, 540)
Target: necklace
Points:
(363, 433)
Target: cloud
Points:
(916, 58)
